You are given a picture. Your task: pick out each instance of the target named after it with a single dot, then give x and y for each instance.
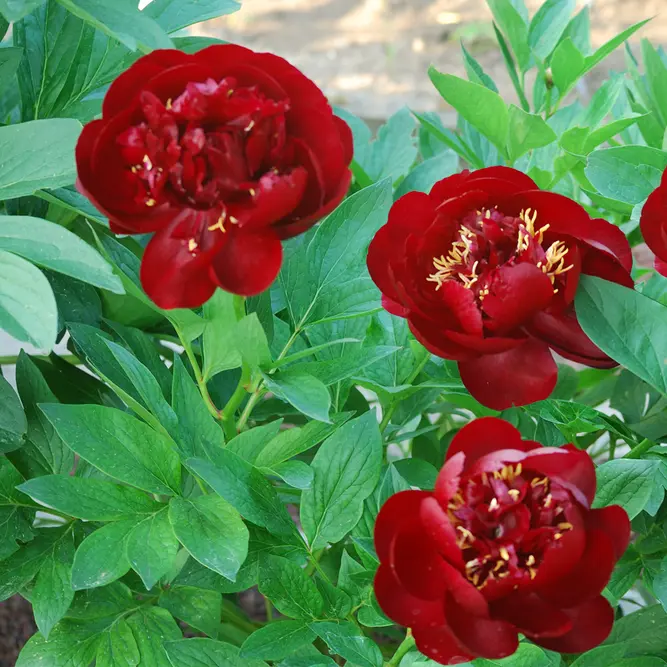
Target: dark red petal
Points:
(248, 263)
(403, 608)
(438, 527)
(588, 577)
(572, 467)
(513, 177)
(591, 625)
(519, 376)
(484, 436)
(464, 593)
(122, 91)
(517, 293)
(378, 262)
(172, 275)
(481, 345)
(653, 222)
(447, 483)
(417, 564)
(604, 265)
(440, 644)
(660, 266)
(394, 308)
(613, 521)
(399, 511)
(564, 334)
(224, 56)
(531, 615)
(410, 214)
(276, 196)
(484, 637)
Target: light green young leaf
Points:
(426, 174)
(173, 15)
(220, 352)
(212, 531)
(38, 154)
(121, 20)
(656, 79)
(548, 25)
(251, 342)
(475, 72)
(119, 445)
(394, 150)
(14, 10)
(515, 27)
(302, 390)
(28, 310)
(567, 65)
(101, 558)
(347, 467)
(482, 108)
(526, 132)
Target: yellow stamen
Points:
(147, 162)
(548, 500)
(504, 554)
(168, 104)
(252, 192)
(150, 202)
(493, 505)
(192, 245)
(530, 560)
(514, 494)
(233, 220)
(249, 126)
(565, 526)
(220, 223)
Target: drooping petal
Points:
(248, 263)
(591, 625)
(519, 376)
(447, 483)
(653, 222)
(440, 644)
(438, 527)
(613, 521)
(398, 512)
(532, 615)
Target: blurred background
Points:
(371, 56)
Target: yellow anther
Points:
(493, 505)
(504, 554)
(220, 223)
(147, 162)
(530, 560)
(168, 104)
(565, 526)
(192, 245)
(249, 126)
(514, 494)
(252, 192)
(233, 220)
(548, 500)
(519, 469)
(150, 202)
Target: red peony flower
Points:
(506, 544)
(222, 154)
(653, 224)
(485, 269)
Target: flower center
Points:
(487, 239)
(207, 148)
(505, 520)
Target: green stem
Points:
(405, 647)
(640, 449)
(229, 411)
(230, 614)
(201, 383)
(314, 560)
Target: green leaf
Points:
(119, 445)
(197, 433)
(117, 647)
(244, 487)
(23, 565)
(277, 640)
(14, 524)
(220, 352)
(14, 10)
(38, 154)
(514, 26)
(626, 173)
(294, 441)
(600, 54)
(13, 424)
(656, 79)
(643, 632)
(324, 276)
(548, 25)
(251, 342)
(10, 57)
(69, 644)
(201, 652)
(394, 150)
(101, 558)
(297, 474)
(567, 65)
(152, 547)
(305, 392)
(121, 20)
(482, 108)
(52, 594)
(250, 443)
(290, 589)
(76, 301)
(527, 655)
(526, 132)
(173, 15)
(42, 440)
(579, 31)
(426, 174)
(475, 72)
(627, 326)
(347, 467)
(337, 603)
(198, 608)
(54, 247)
(146, 385)
(151, 628)
(347, 640)
(28, 310)
(627, 483)
(88, 499)
(212, 531)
